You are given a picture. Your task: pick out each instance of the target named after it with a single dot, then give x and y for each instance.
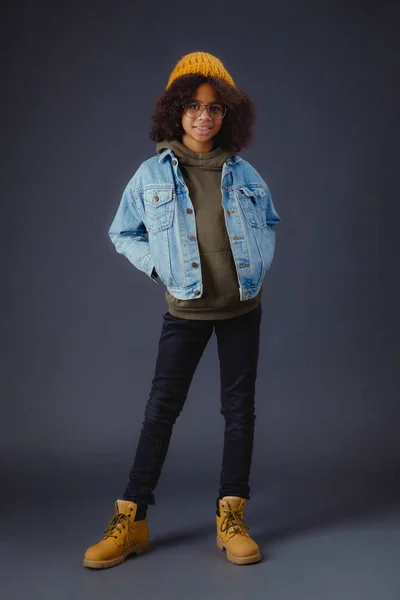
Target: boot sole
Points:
(239, 560)
(106, 564)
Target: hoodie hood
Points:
(210, 160)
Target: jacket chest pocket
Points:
(159, 203)
(252, 203)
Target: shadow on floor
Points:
(304, 512)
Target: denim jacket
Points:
(155, 225)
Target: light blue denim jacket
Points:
(155, 225)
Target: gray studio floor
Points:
(322, 545)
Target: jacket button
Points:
(196, 292)
(192, 238)
(194, 264)
(174, 162)
(156, 198)
(189, 211)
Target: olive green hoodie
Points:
(220, 300)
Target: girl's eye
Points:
(216, 108)
(194, 106)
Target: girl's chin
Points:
(202, 136)
(199, 139)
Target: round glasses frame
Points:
(186, 106)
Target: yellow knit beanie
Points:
(200, 63)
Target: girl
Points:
(200, 219)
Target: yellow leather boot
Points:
(122, 537)
(232, 532)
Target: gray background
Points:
(80, 324)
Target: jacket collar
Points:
(168, 152)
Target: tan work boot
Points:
(123, 536)
(232, 532)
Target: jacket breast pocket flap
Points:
(159, 208)
(252, 202)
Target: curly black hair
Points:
(236, 131)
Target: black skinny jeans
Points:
(182, 343)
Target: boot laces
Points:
(233, 522)
(119, 521)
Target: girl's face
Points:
(200, 131)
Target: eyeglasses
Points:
(194, 110)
